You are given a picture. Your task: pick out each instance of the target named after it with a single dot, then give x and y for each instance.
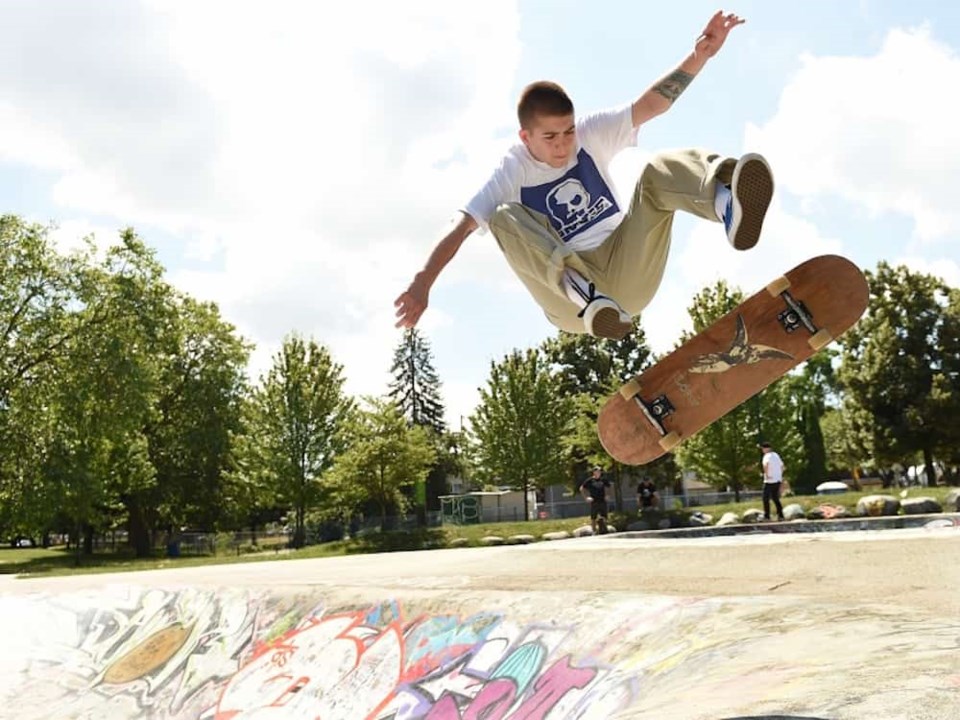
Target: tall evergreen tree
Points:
(415, 387)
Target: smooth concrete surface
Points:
(831, 625)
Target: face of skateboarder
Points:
(551, 139)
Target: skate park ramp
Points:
(579, 628)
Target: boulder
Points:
(952, 503)
(920, 506)
(664, 523)
(827, 512)
(753, 515)
(491, 540)
(556, 535)
(878, 505)
(729, 518)
(583, 531)
(458, 542)
(700, 519)
(794, 511)
(520, 539)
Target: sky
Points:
(295, 162)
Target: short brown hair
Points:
(542, 98)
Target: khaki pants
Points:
(628, 266)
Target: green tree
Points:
(40, 292)
(201, 385)
(520, 425)
(295, 423)
(385, 456)
(900, 369)
(842, 442)
(809, 390)
(591, 365)
(41, 295)
(590, 370)
(103, 396)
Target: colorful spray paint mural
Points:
(230, 656)
(241, 655)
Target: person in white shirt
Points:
(773, 468)
(591, 262)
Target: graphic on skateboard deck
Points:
(756, 343)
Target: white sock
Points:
(576, 287)
(720, 200)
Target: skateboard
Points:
(753, 345)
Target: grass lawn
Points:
(59, 561)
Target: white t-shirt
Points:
(579, 199)
(772, 467)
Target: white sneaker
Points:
(605, 319)
(750, 193)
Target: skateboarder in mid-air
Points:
(590, 262)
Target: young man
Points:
(594, 491)
(772, 479)
(591, 263)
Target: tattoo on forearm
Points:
(674, 84)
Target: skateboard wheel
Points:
(820, 338)
(669, 441)
(631, 388)
(778, 285)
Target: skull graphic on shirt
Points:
(568, 201)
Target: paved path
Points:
(832, 625)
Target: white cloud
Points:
(308, 152)
(879, 132)
(944, 268)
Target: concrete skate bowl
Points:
(232, 654)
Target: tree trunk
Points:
(930, 470)
(617, 489)
(88, 539)
(299, 529)
(526, 498)
(137, 527)
(77, 545)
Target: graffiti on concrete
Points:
(232, 655)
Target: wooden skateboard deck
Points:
(732, 360)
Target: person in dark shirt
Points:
(647, 497)
(594, 491)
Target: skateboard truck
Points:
(655, 411)
(796, 314)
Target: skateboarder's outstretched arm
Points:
(659, 98)
(413, 301)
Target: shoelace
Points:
(588, 297)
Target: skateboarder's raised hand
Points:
(413, 301)
(715, 33)
(662, 94)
